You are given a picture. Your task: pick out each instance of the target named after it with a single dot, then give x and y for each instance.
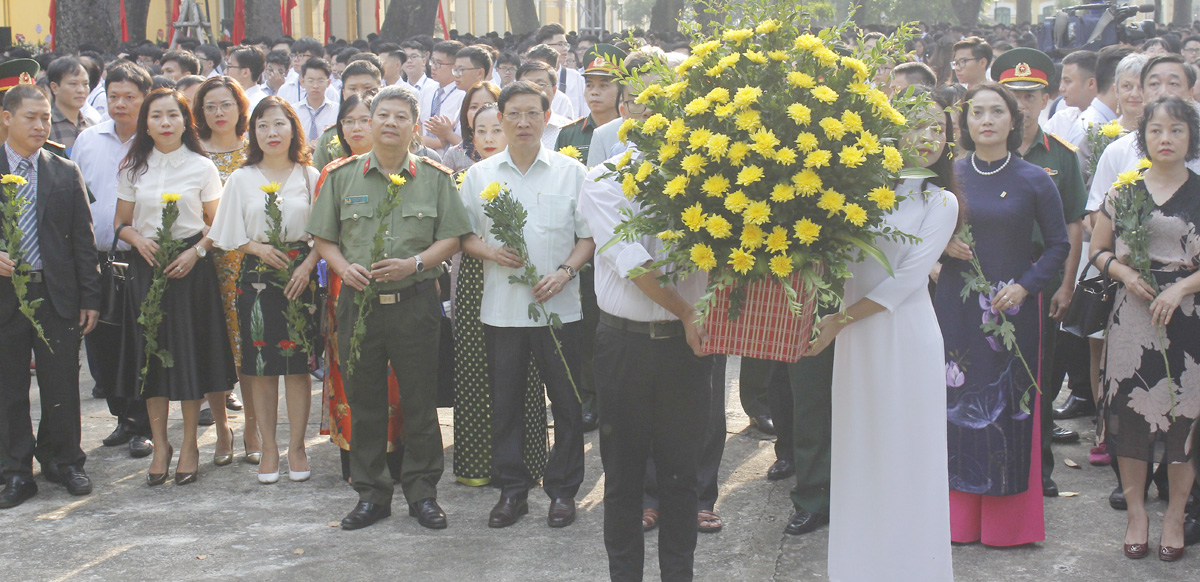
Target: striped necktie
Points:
(28, 222)
(436, 109)
(562, 79)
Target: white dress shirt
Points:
(561, 105)
(575, 92)
(242, 216)
(98, 100)
(422, 83)
(1121, 155)
(449, 103)
(253, 95)
(314, 121)
(549, 191)
(191, 175)
(1062, 121)
(98, 152)
(294, 94)
(601, 203)
(553, 128)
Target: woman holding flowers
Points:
(988, 305)
(1146, 230)
(166, 188)
(263, 211)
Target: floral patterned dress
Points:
(229, 263)
(1143, 404)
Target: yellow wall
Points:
(25, 16)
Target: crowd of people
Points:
(287, 208)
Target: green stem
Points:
(559, 350)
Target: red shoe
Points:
(1099, 456)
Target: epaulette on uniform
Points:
(437, 165)
(338, 163)
(1070, 146)
(56, 144)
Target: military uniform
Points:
(403, 328)
(577, 134)
(321, 154)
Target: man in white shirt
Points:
(1077, 85)
(393, 65)
(442, 97)
(543, 76)
(98, 151)
(316, 112)
(560, 104)
(245, 67)
(292, 89)
(275, 73)
(570, 82)
(972, 59)
(547, 184)
(414, 65)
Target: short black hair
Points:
(1178, 109)
(1083, 60)
(1106, 65)
(251, 58)
(210, 52)
(543, 52)
(916, 74)
(980, 49)
(62, 67)
(546, 32)
(362, 67)
(316, 63)
(449, 48)
(479, 56)
(508, 58)
(162, 82)
(1168, 58)
(531, 66)
(365, 57)
(1014, 111)
(186, 60)
(17, 95)
(188, 81)
(278, 57)
(127, 72)
(343, 55)
(522, 88)
(309, 45)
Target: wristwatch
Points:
(200, 252)
(420, 263)
(571, 273)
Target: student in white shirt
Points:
(545, 77)
(275, 73)
(414, 65)
(443, 97)
(1077, 85)
(547, 184)
(246, 66)
(560, 103)
(570, 82)
(317, 111)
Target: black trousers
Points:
(711, 449)
(103, 356)
(57, 441)
(654, 403)
(509, 349)
(1066, 354)
(772, 381)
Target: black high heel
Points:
(223, 460)
(153, 479)
(182, 478)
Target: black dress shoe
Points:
(97, 391)
(781, 469)
(76, 481)
(1063, 435)
(764, 424)
(428, 514)
(507, 511)
(803, 522)
(1075, 408)
(562, 512)
(16, 491)
(206, 418)
(232, 402)
(1116, 499)
(365, 514)
(140, 446)
(119, 436)
(1049, 487)
(591, 420)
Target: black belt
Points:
(404, 294)
(654, 329)
(37, 277)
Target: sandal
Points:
(709, 522)
(649, 519)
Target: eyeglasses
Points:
(960, 63)
(362, 121)
(519, 116)
(561, 44)
(508, 70)
(543, 84)
(634, 108)
(224, 107)
(1193, 50)
(459, 72)
(438, 63)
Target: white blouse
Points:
(242, 215)
(191, 175)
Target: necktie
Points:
(28, 221)
(313, 131)
(436, 109)
(562, 79)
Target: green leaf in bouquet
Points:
(922, 173)
(869, 248)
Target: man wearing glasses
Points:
(972, 58)
(292, 90)
(442, 97)
(570, 82)
(246, 66)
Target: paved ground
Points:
(229, 526)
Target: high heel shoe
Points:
(1137, 551)
(1169, 554)
(182, 478)
(299, 476)
(268, 478)
(252, 458)
(153, 479)
(222, 460)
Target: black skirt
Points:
(192, 329)
(268, 346)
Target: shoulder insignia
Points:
(437, 165)
(331, 166)
(55, 144)
(1070, 146)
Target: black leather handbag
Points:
(113, 275)
(1092, 303)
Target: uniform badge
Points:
(1051, 172)
(1023, 70)
(24, 79)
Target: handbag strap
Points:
(116, 239)
(1104, 271)
(1091, 262)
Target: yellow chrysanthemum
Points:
(654, 124)
(693, 163)
(834, 128)
(718, 95)
(807, 231)
(783, 192)
(1127, 178)
(1144, 164)
(826, 57)
(800, 113)
(892, 159)
(859, 88)
(869, 143)
(757, 213)
(667, 152)
(741, 261)
(693, 217)
(626, 126)
(168, 197)
(738, 36)
(753, 236)
(756, 57)
(852, 157)
(397, 180)
(781, 265)
(688, 64)
(883, 197)
(650, 92)
(855, 214)
(676, 186)
(718, 226)
(764, 140)
(676, 131)
(818, 159)
(748, 120)
(777, 241)
(746, 96)
(824, 94)
(877, 98)
(625, 159)
(704, 49)
(749, 175)
(767, 26)
(570, 151)
(696, 107)
(717, 146)
(729, 60)
(831, 200)
(807, 142)
(670, 235)
(703, 257)
(860, 68)
(808, 42)
(716, 185)
(674, 90)
(644, 171)
(737, 201)
(801, 80)
(1112, 129)
(896, 117)
(699, 138)
(785, 156)
(272, 187)
(852, 121)
(738, 152)
(777, 56)
(807, 183)
(13, 179)
(716, 70)
(490, 192)
(629, 186)
(725, 110)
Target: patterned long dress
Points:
(229, 263)
(1143, 406)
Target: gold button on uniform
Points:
(420, 215)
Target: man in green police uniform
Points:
(402, 330)
(1025, 71)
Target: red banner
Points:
(378, 21)
(442, 19)
(171, 24)
(53, 24)
(124, 25)
(285, 15)
(239, 21)
(327, 5)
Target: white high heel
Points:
(299, 475)
(268, 478)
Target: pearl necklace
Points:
(993, 172)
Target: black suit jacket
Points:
(65, 239)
